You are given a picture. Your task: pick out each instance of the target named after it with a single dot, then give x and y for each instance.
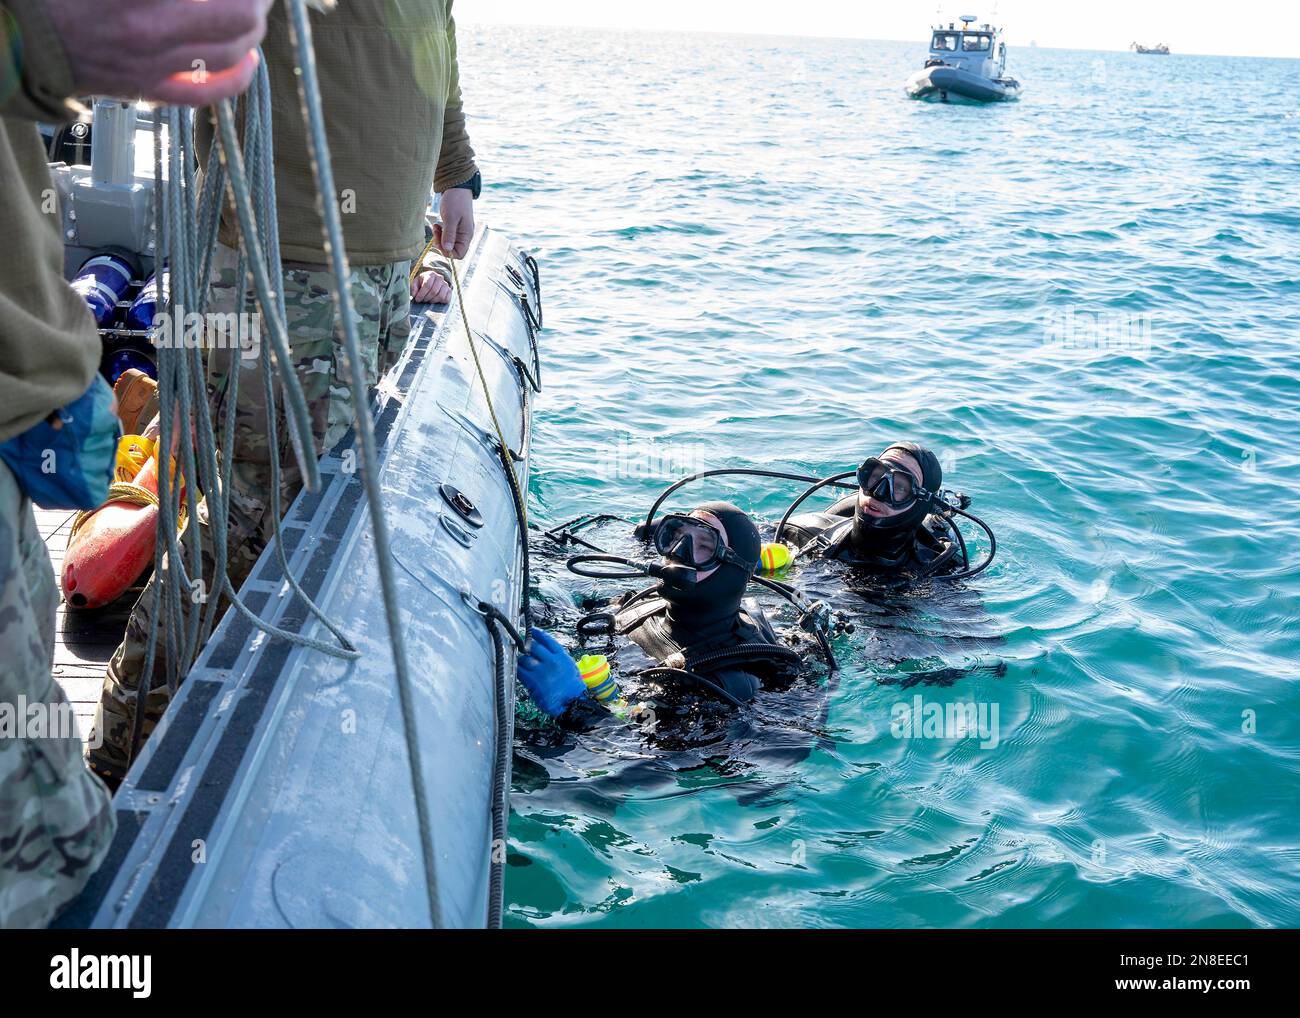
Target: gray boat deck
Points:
(83, 640)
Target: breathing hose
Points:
(495, 621)
(643, 531)
(835, 479)
(665, 671)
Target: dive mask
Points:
(889, 483)
(695, 543)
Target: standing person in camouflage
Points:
(55, 818)
(397, 133)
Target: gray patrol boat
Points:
(966, 63)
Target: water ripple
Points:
(755, 252)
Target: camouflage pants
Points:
(381, 297)
(55, 818)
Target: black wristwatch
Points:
(474, 185)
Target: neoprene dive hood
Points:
(888, 539)
(709, 608)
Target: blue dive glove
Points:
(72, 466)
(549, 674)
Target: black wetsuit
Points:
(835, 534)
(739, 655)
(704, 641)
(728, 661)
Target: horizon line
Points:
(846, 38)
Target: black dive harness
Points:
(814, 616)
(750, 643)
(640, 616)
(635, 616)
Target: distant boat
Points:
(1160, 49)
(965, 63)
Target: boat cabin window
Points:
(976, 42)
(944, 41)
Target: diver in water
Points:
(893, 526)
(898, 527)
(694, 626)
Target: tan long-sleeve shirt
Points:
(49, 349)
(390, 88)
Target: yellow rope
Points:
(418, 264)
(473, 349)
(133, 452)
(131, 494)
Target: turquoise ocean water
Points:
(757, 252)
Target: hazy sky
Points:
(1241, 27)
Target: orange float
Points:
(110, 547)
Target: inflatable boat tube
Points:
(276, 791)
(947, 83)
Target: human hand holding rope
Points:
(430, 287)
(451, 237)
